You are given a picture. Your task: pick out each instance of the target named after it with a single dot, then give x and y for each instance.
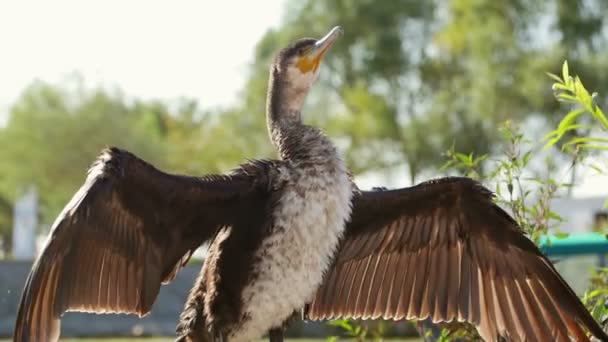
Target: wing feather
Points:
(455, 273)
(363, 285)
(128, 229)
(392, 305)
(444, 250)
(385, 262)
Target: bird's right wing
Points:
(443, 250)
(128, 229)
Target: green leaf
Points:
(561, 86)
(449, 164)
(463, 158)
(565, 72)
(599, 116)
(555, 77)
(527, 157)
(596, 293)
(594, 147)
(555, 216)
(557, 134)
(566, 98)
(569, 119)
(586, 140)
(342, 323)
(597, 168)
(550, 135)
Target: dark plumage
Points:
(444, 250)
(291, 233)
(127, 230)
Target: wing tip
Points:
(594, 329)
(29, 333)
(37, 319)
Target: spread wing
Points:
(444, 250)
(128, 229)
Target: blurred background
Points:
(182, 85)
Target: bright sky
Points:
(160, 49)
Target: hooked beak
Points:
(323, 44)
(313, 58)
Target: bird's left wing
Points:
(129, 228)
(444, 250)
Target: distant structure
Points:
(581, 214)
(25, 221)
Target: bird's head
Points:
(296, 67)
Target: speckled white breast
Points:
(309, 222)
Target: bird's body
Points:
(292, 233)
(312, 194)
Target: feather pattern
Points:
(128, 229)
(444, 250)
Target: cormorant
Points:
(294, 233)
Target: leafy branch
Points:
(507, 173)
(571, 90)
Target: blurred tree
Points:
(6, 226)
(54, 134)
(412, 78)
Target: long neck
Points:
(288, 134)
(283, 108)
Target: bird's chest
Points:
(308, 223)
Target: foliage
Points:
(350, 328)
(571, 90)
(527, 197)
(411, 78)
(358, 331)
(53, 135)
(596, 298)
(579, 135)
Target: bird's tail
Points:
(192, 325)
